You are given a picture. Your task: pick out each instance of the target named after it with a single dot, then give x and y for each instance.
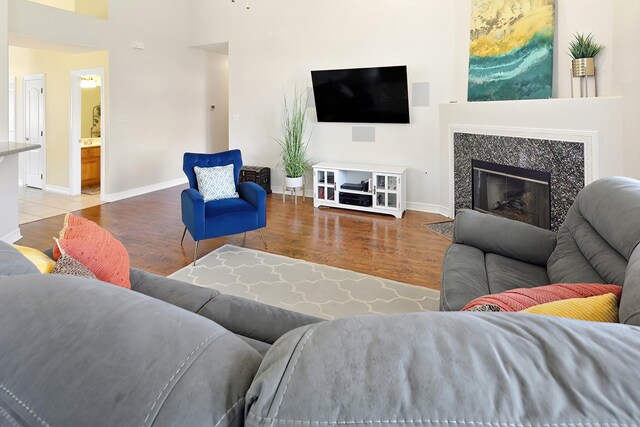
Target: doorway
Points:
(34, 129)
(87, 138)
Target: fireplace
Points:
(567, 158)
(512, 192)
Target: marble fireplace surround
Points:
(570, 157)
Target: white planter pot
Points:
(293, 182)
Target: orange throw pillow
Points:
(523, 298)
(95, 248)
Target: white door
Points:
(34, 129)
(12, 109)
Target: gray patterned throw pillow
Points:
(70, 266)
(216, 183)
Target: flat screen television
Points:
(362, 95)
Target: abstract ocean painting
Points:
(511, 52)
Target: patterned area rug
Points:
(443, 228)
(305, 287)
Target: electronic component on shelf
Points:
(356, 199)
(362, 186)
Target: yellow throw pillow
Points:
(601, 308)
(41, 261)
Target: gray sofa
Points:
(79, 352)
(597, 243)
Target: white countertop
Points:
(90, 142)
(7, 148)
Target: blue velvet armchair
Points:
(221, 217)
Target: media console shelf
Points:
(369, 188)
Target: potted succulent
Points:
(293, 157)
(583, 50)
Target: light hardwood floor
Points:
(150, 228)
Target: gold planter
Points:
(583, 67)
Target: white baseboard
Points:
(427, 207)
(112, 197)
(12, 237)
(56, 189)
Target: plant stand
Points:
(293, 186)
(583, 69)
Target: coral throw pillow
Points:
(95, 248)
(603, 308)
(521, 299)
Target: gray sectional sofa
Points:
(79, 352)
(597, 243)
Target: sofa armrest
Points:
(504, 237)
(253, 319)
(193, 212)
(255, 195)
(630, 301)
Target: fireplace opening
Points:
(512, 192)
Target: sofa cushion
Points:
(449, 369)
(13, 263)
(502, 236)
(77, 352)
(600, 232)
(507, 273)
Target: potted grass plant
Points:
(293, 156)
(583, 51)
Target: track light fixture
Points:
(248, 4)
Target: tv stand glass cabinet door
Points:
(325, 185)
(386, 189)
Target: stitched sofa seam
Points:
(9, 418)
(295, 365)
(209, 340)
(449, 422)
(24, 405)
(228, 411)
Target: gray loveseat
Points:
(597, 243)
(78, 352)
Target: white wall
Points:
(274, 46)
(9, 166)
(627, 78)
(157, 105)
(571, 16)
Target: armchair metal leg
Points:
(195, 253)
(184, 233)
(263, 239)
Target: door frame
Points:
(12, 107)
(75, 131)
(43, 148)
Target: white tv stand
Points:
(386, 192)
